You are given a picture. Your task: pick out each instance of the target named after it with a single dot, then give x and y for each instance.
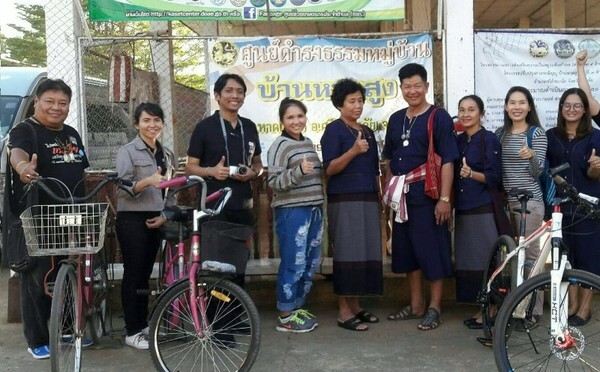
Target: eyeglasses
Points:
(575, 106)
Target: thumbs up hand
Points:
(156, 178)
(465, 170)
(594, 160)
(360, 145)
(219, 171)
(306, 166)
(526, 152)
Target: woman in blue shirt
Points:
(477, 171)
(351, 161)
(576, 142)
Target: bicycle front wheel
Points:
(526, 343)
(502, 284)
(229, 336)
(65, 322)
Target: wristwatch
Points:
(445, 199)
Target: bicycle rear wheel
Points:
(228, 341)
(502, 284)
(100, 313)
(65, 322)
(526, 344)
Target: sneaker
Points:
(42, 352)
(86, 342)
(305, 314)
(146, 331)
(295, 323)
(138, 341)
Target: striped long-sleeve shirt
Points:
(292, 188)
(522, 173)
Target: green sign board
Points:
(246, 10)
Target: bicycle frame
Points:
(525, 243)
(198, 308)
(197, 313)
(169, 277)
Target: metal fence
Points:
(111, 100)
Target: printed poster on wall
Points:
(246, 10)
(305, 68)
(544, 63)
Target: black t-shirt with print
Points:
(60, 154)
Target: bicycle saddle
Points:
(520, 193)
(179, 213)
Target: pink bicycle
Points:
(203, 321)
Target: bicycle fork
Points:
(197, 299)
(559, 290)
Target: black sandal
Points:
(366, 317)
(430, 321)
(352, 324)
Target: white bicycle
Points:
(523, 340)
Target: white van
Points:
(17, 93)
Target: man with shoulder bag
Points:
(41, 146)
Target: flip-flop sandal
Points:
(473, 324)
(430, 321)
(405, 314)
(366, 317)
(469, 321)
(352, 324)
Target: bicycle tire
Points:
(502, 284)
(65, 322)
(228, 343)
(100, 310)
(535, 349)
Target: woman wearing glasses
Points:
(576, 142)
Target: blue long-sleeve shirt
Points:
(483, 153)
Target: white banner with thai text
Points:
(305, 68)
(544, 63)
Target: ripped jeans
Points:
(299, 231)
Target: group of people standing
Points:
(472, 165)
(476, 166)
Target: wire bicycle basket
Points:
(64, 229)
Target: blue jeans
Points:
(299, 231)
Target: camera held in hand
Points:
(237, 170)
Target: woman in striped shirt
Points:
(295, 177)
(523, 155)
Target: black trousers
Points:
(139, 246)
(35, 304)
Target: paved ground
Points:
(387, 346)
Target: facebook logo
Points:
(250, 12)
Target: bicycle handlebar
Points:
(173, 182)
(588, 201)
(187, 181)
(110, 177)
